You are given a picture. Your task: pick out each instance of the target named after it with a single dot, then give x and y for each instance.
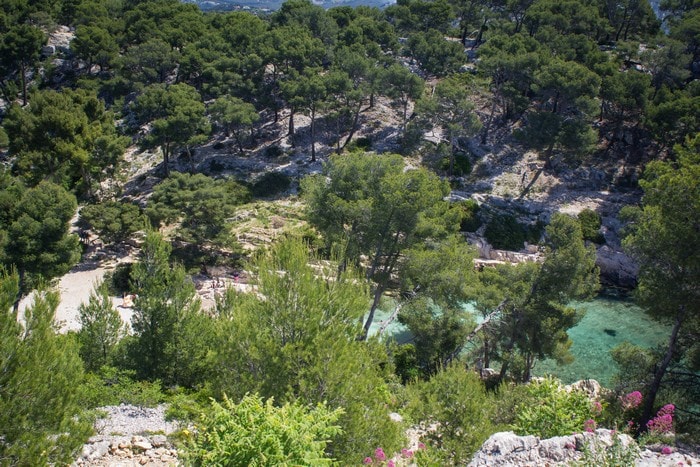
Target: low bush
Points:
(112, 386)
(272, 152)
(506, 233)
(470, 216)
(590, 226)
(548, 410)
(270, 184)
(119, 280)
(256, 432)
(361, 144)
(458, 402)
(462, 164)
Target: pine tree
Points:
(101, 328)
(39, 372)
(171, 333)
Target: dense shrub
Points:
(361, 144)
(114, 221)
(272, 152)
(506, 233)
(470, 215)
(112, 386)
(457, 401)
(118, 280)
(590, 225)
(254, 432)
(548, 410)
(462, 164)
(270, 184)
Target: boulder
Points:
(616, 268)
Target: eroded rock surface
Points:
(509, 449)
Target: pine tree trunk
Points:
(661, 371)
(313, 135)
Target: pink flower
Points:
(407, 453)
(661, 423)
(597, 408)
(666, 450)
(667, 409)
(379, 454)
(421, 446)
(631, 400)
(390, 463)
(368, 460)
(589, 425)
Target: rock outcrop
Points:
(130, 436)
(509, 449)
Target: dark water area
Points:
(608, 322)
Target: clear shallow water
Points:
(607, 323)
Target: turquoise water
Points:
(607, 323)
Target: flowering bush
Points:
(589, 425)
(380, 456)
(663, 422)
(631, 401)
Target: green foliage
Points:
(119, 280)
(528, 302)
(590, 226)
(273, 152)
(457, 400)
(372, 206)
(469, 211)
(20, 46)
(635, 366)
(462, 164)
(101, 328)
(597, 453)
(438, 334)
(664, 238)
(256, 433)
(362, 144)
(504, 232)
(172, 336)
(113, 386)
(271, 184)
(234, 114)
(36, 223)
(439, 278)
(114, 221)
(176, 114)
(300, 343)
(40, 372)
(200, 204)
(401, 85)
(67, 137)
(548, 410)
(406, 363)
(95, 46)
(436, 55)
